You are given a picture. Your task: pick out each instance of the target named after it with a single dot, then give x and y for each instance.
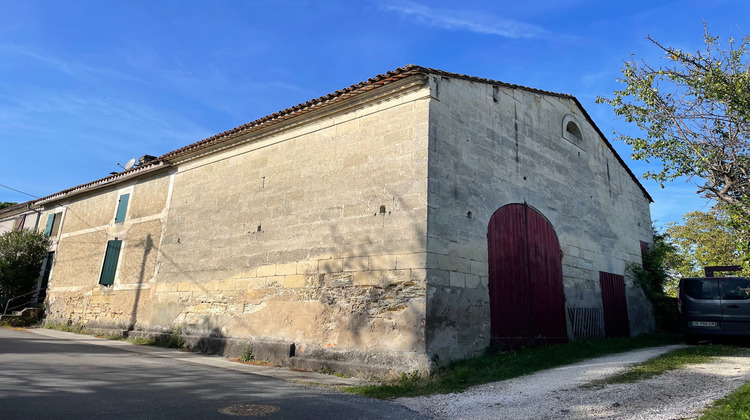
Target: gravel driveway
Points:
(556, 393)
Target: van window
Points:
(735, 288)
(701, 288)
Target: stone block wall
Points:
(494, 145)
(314, 233)
(311, 234)
(88, 223)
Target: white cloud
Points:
(75, 69)
(477, 22)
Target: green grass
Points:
(247, 356)
(18, 323)
(168, 341)
(113, 336)
(142, 341)
(735, 406)
(670, 361)
(74, 328)
(506, 365)
(9, 324)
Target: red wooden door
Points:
(527, 302)
(614, 305)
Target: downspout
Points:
(38, 217)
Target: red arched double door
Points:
(527, 302)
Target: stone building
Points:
(393, 225)
(19, 216)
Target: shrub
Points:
(653, 278)
(21, 256)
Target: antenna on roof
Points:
(128, 166)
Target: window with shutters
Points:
(122, 208)
(20, 222)
(48, 227)
(53, 225)
(109, 268)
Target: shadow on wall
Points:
(148, 246)
(212, 343)
(375, 310)
(365, 299)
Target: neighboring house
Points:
(19, 216)
(398, 224)
(27, 216)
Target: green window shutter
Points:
(122, 208)
(110, 262)
(50, 222)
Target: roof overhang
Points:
(109, 181)
(395, 81)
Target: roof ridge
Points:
(361, 87)
(380, 79)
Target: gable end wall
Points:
(491, 146)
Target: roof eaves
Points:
(106, 181)
(277, 117)
(336, 96)
(16, 209)
(353, 90)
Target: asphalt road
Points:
(54, 375)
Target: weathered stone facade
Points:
(350, 231)
(492, 145)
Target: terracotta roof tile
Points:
(355, 89)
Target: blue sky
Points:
(87, 84)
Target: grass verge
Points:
(669, 361)
(16, 323)
(506, 365)
(170, 340)
(735, 406)
(74, 328)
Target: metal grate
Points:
(586, 323)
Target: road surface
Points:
(48, 374)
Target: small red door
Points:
(614, 305)
(527, 302)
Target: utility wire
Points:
(19, 191)
(69, 209)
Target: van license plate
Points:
(703, 324)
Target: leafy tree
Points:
(5, 204)
(694, 116)
(654, 277)
(702, 239)
(683, 250)
(21, 256)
